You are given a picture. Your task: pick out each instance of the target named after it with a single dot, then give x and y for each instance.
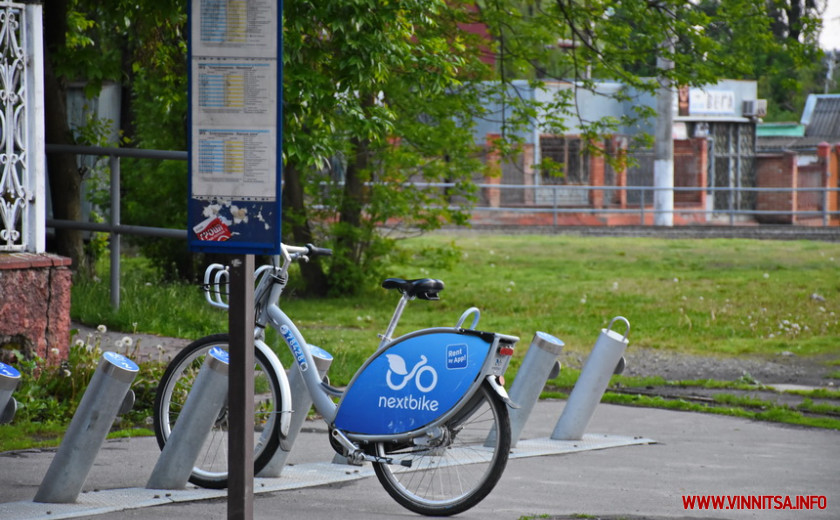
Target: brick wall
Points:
(776, 171)
(35, 304)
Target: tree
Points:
(378, 91)
(144, 52)
(64, 174)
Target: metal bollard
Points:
(301, 403)
(9, 379)
(537, 367)
(207, 397)
(606, 355)
(106, 395)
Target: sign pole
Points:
(235, 54)
(241, 389)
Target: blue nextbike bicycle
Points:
(427, 409)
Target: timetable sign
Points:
(235, 126)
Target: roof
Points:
(780, 130)
(821, 116)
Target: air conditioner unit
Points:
(755, 108)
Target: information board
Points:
(235, 126)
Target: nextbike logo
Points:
(425, 379)
(295, 346)
(397, 366)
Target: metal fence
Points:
(553, 202)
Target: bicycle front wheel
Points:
(455, 468)
(211, 469)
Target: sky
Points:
(830, 37)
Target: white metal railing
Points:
(555, 208)
(22, 172)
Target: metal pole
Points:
(537, 367)
(301, 403)
(207, 397)
(9, 379)
(642, 205)
(663, 161)
(241, 389)
(114, 162)
(594, 378)
(105, 396)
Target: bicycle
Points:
(427, 409)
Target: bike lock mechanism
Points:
(107, 395)
(301, 403)
(602, 362)
(9, 379)
(539, 365)
(206, 399)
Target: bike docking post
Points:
(601, 364)
(206, 399)
(301, 403)
(539, 365)
(9, 379)
(108, 394)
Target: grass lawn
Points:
(723, 297)
(709, 296)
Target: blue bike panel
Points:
(411, 383)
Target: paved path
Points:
(694, 454)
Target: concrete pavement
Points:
(693, 455)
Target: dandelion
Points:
(615, 286)
(583, 300)
(767, 275)
(54, 351)
(79, 343)
(127, 342)
(512, 283)
(66, 373)
(102, 328)
(676, 280)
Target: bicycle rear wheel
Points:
(456, 469)
(211, 470)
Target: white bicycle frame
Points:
(270, 290)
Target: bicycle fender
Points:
(499, 389)
(283, 381)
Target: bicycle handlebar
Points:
(318, 251)
(217, 276)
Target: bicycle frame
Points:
(489, 359)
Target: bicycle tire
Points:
(461, 470)
(211, 470)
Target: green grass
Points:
(721, 297)
(20, 435)
(735, 407)
(713, 296)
